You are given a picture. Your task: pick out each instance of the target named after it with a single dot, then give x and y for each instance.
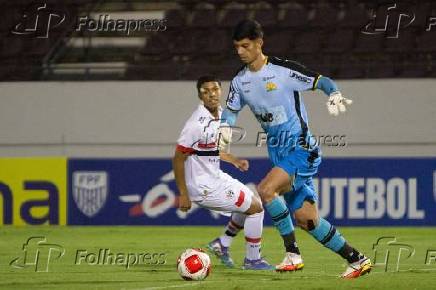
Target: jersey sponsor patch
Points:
(275, 116)
(300, 77)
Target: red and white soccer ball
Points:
(194, 264)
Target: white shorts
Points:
(233, 196)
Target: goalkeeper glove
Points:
(336, 103)
(225, 136)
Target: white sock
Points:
(253, 232)
(232, 229)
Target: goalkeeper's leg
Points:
(308, 219)
(268, 189)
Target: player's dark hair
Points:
(207, 78)
(247, 28)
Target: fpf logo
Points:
(38, 254)
(38, 20)
(389, 19)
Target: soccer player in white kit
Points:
(199, 179)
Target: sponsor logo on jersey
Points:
(265, 117)
(246, 83)
(90, 191)
(299, 77)
(265, 79)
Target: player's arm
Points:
(188, 137)
(306, 79)
(241, 164)
(179, 174)
(234, 104)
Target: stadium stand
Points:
(198, 37)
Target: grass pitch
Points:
(321, 271)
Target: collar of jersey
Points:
(203, 108)
(263, 66)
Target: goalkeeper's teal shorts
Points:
(302, 163)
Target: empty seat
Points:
(404, 43)
(157, 44)
(306, 42)
(278, 44)
(325, 16)
(369, 42)
(215, 42)
(204, 18)
(355, 17)
(175, 19)
(295, 18)
(232, 17)
(266, 17)
(339, 41)
(426, 42)
(381, 70)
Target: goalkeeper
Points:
(271, 87)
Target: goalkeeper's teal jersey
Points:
(273, 95)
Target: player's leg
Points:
(307, 217)
(269, 188)
(220, 246)
(247, 213)
(253, 229)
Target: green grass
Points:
(321, 270)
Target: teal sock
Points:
(328, 235)
(280, 215)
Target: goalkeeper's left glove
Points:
(336, 103)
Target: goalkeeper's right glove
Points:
(224, 136)
(336, 103)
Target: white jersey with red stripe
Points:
(206, 182)
(199, 139)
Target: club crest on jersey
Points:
(270, 86)
(230, 194)
(90, 191)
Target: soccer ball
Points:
(194, 264)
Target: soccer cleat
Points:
(291, 262)
(357, 269)
(260, 264)
(222, 253)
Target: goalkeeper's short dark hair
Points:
(206, 78)
(247, 28)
